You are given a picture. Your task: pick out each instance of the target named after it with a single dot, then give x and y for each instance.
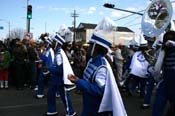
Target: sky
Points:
(49, 15)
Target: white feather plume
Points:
(106, 25)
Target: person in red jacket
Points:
(4, 65)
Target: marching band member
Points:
(138, 67)
(158, 72)
(47, 59)
(165, 89)
(101, 96)
(59, 73)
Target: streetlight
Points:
(8, 22)
(112, 6)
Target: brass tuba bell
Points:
(156, 18)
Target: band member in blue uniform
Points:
(165, 90)
(47, 59)
(59, 73)
(101, 96)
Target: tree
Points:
(17, 33)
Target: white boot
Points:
(1, 84)
(6, 84)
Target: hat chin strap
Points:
(93, 47)
(55, 46)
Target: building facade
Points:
(121, 35)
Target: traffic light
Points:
(29, 12)
(109, 5)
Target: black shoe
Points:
(145, 106)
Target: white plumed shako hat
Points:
(99, 39)
(59, 39)
(49, 41)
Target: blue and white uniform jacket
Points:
(61, 68)
(93, 83)
(139, 65)
(50, 56)
(100, 91)
(57, 68)
(47, 59)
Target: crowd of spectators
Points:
(20, 65)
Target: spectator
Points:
(20, 57)
(4, 66)
(118, 59)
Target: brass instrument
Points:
(156, 18)
(150, 56)
(155, 21)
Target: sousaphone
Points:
(156, 18)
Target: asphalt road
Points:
(23, 103)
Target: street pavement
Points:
(23, 103)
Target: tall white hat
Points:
(59, 39)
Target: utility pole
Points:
(45, 27)
(27, 20)
(74, 15)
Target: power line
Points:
(127, 16)
(134, 24)
(131, 21)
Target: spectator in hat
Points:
(119, 60)
(32, 56)
(59, 70)
(101, 96)
(20, 57)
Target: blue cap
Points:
(49, 41)
(59, 39)
(100, 40)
